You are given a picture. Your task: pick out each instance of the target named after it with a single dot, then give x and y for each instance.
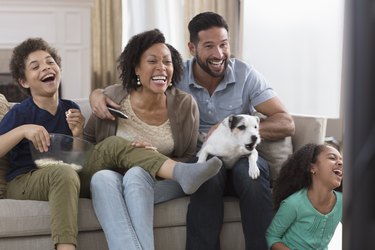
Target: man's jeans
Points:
(206, 208)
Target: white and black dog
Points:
(235, 137)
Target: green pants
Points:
(115, 152)
(61, 185)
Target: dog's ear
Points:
(258, 119)
(233, 121)
(230, 120)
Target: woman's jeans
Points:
(115, 152)
(124, 206)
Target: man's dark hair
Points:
(204, 21)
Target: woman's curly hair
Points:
(131, 56)
(295, 173)
(178, 69)
(22, 51)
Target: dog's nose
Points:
(254, 138)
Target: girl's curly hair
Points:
(133, 51)
(295, 173)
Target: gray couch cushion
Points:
(274, 152)
(168, 214)
(309, 129)
(28, 217)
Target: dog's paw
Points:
(254, 171)
(202, 157)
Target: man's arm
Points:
(99, 102)
(278, 124)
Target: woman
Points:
(35, 65)
(160, 117)
(308, 208)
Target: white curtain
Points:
(298, 45)
(172, 17)
(106, 42)
(165, 15)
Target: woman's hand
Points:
(76, 121)
(143, 144)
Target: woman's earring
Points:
(138, 81)
(170, 84)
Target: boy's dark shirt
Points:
(27, 112)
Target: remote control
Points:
(117, 113)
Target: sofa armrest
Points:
(84, 104)
(309, 129)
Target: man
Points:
(222, 86)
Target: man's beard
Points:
(206, 68)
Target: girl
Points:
(308, 209)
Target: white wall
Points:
(297, 46)
(65, 24)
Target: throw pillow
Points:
(4, 163)
(4, 106)
(274, 152)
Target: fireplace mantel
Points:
(65, 24)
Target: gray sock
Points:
(192, 175)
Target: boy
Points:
(36, 67)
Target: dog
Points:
(235, 137)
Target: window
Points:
(297, 45)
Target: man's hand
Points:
(76, 121)
(99, 102)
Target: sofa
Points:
(26, 224)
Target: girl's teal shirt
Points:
(299, 225)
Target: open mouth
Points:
(216, 63)
(250, 146)
(338, 172)
(48, 78)
(159, 79)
